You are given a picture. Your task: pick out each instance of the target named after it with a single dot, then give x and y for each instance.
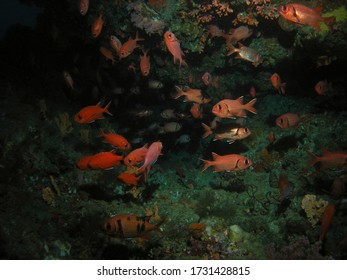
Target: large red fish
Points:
(329, 159)
(228, 108)
(288, 120)
(91, 113)
(97, 26)
(129, 226)
(227, 163)
(301, 14)
(136, 156)
(103, 160)
(128, 47)
(173, 45)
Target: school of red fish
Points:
(139, 161)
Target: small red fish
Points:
(322, 87)
(173, 45)
(328, 215)
(91, 113)
(329, 159)
(252, 92)
(154, 151)
(192, 95)
(103, 160)
(83, 6)
(97, 26)
(238, 34)
(107, 54)
(301, 14)
(206, 79)
(116, 140)
(129, 46)
(136, 156)
(145, 65)
(288, 120)
(228, 108)
(129, 226)
(129, 179)
(115, 44)
(232, 162)
(195, 110)
(277, 84)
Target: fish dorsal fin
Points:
(318, 9)
(215, 156)
(240, 99)
(325, 152)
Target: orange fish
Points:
(129, 46)
(195, 110)
(238, 34)
(322, 87)
(97, 26)
(173, 45)
(129, 179)
(228, 108)
(277, 84)
(252, 92)
(227, 163)
(230, 132)
(136, 156)
(107, 54)
(328, 214)
(301, 14)
(192, 95)
(68, 80)
(329, 159)
(154, 151)
(83, 6)
(129, 226)
(91, 113)
(115, 44)
(116, 140)
(103, 160)
(288, 120)
(246, 53)
(145, 65)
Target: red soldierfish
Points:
(145, 65)
(277, 83)
(227, 163)
(328, 214)
(97, 26)
(228, 108)
(288, 120)
(136, 156)
(128, 47)
(173, 45)
(154, 151)
(116, 140)
(301, 14)
(83, 6)
(329, 159)
(103, 160)
(91, 113)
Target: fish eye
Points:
(129, 160)
(281, 121)
(219, 107)
(169, 35)
(246, 129)
(284, 8)
(79, 117)
(108, 226)
(246, 161)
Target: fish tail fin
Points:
(106, 108)
(314, 159)
(207, 164)
(179, 91)
(249, 106)
(231, 48)
(183, 63)
(329, 21)
(208, 130)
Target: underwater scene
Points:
(175, 129)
